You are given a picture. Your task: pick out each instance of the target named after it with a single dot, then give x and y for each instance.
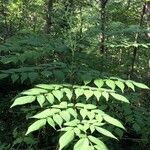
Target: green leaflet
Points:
(82, 144)
(45, 86)
(99, 83)
(97, 94)
(106, 95)
(65, 139)
(72, 112)
(120, 97)
(44, 114)
(130, 85)
(23, 100)
(120, 85)
(50, 98)
(113, 121)
(36, 126)
(141, 85)
(83, 113)
(89, 106)
(105, 132)
(79, 92)
(41, 99)
(69, 93)
(51, 122)
(65, 115)
(88, 94)
(98, 142)
(110, 84)
(58, 94)
(58, 119)
(34, 91)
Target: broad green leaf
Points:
(14, 77)
(41, 100)
(66, 129)
(77, 131)
(86, 126)
(80, 105)
(45, 86)
(92, 128)
(99, 83)
(88, 94)
(62, 105)
(23, 100)
(58, 94)
(36, 126)
(79, 92)
(34, 91)
(73, 123)
(72, 112)
(44, 114)
(141, 85)
(120, 97)
(91, 115)
(99, 117)
(50, 98)
(110, 84)
(106, 95)
(113, 121)
(58, 119)
(83, 113)
(65, 115)
(69, 93)
(120, 85)
(65, 139)
(97, 94)
(82, 144)
(89, 106)
(130, 85)
(51, 122)
(105, 132)
(98, 142)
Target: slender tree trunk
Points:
(49, 7)
(136, 42)
(148, 28)
(103, 25)
(4, 14)
(148, 18)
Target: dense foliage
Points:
(74, 74)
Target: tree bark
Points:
(136, 42)
(103, 25)
(148, 17)
(49, 5)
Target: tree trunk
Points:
(49, 5)
(148, 17)
(136, 42)
(103, 25)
